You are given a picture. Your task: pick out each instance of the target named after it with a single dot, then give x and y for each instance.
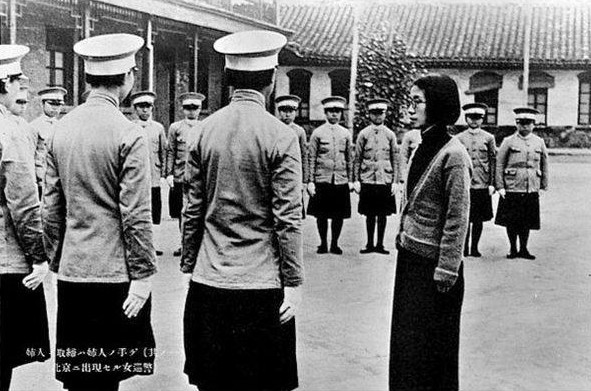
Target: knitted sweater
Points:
(434, 216)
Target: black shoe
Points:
(177, 253)
(526, 255)
(159, 252)
(381, 250)
(512, 255)
(476, 253)
(336, 250)
(322, 249)
(466, 253)
(367, 250)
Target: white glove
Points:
(502, 192)
(186, 278)
(311, 189)
(163, 181)
(36, 277)
(394, 188)
(139, 291)
(351, 186)
(357, 186)
(291, 302)
(491, 190)
(170, 181)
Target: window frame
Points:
(300, 85)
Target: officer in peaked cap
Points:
(375, 173)
(106, 255)
(179, 135)
(483, 151)
(52, 101)
(287, 107)
(143, 105)
(23, 264)
(330, 174)
(521, 173)
(242, 243)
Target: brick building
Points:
(178, 56)
(480, 45)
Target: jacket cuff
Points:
(142, 274)
(293, 282)
(187, 268)
(445, 275)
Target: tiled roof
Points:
(461, 33)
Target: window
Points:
(491, 99)
(59, 60)
(299, 85)
(485, 87)
(584, 98)
(339, 82)
(538, 99)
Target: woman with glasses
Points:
(429, 283)
(522, 171)
(330, 174)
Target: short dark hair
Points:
(443, 99)
(10, 79)
(105, 81)
(253, 80)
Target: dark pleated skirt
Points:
(175, 201)
(234, 341)
(519, 211)
(424, 345)
(376, 200)
(330, 202)
(156, 205)
(96, 342)
(480, 205)
(24, 332)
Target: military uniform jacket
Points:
(242, 218)
(20, 230)
(522, 164)
(376, 156)
(330, 158)
(302, 139)
(483, 151)
(157, 144)
(97, 210)
(180, 134)
(42, 128)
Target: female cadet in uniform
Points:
(24, 334)
(522, 171)
(330, 174)
(98, 228)
(376, 174)
(482, 150)
(429, 286)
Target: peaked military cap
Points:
(475, 108)
(255, 50)
(334, 102)
(288, 101)
(109, 54)
(525, 113)
(143, 97)
(377, 104)
(52, 93)
(10, 59)
(191, 98)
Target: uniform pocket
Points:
(537, 154)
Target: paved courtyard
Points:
(526, 325)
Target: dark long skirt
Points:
(519, 211)
(96, 342)
(330, 201)
(24, 333)
(424, 345)
(175, 201)
(234, 341)
(156, 205)
(480, 205)
(376, 200)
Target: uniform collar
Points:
(249, 96)
(51, 120)
(97, 96)
(474, 131)
(143, 123)
(524, 137)
(191, 122)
